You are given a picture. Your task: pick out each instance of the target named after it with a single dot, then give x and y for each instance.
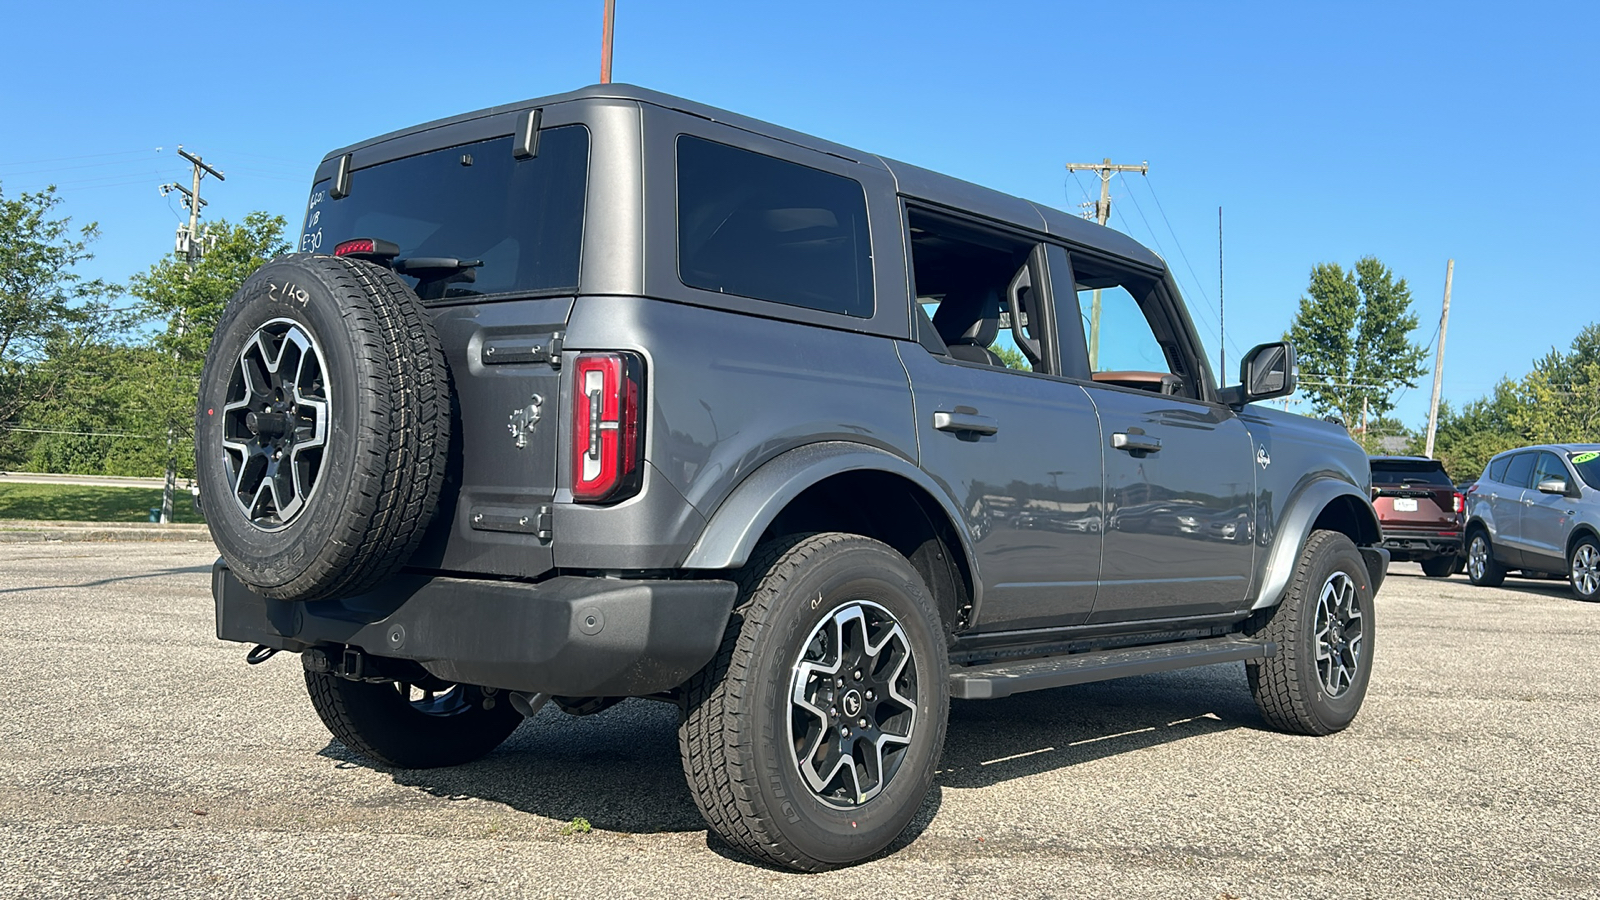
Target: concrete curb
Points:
(14, 531)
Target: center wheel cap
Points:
(852, 704)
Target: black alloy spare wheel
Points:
(323, 427)
(275, 423)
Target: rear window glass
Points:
(1401, 471)
(522, 218)
(1587, 462)
(1497, 468)
(762, 227)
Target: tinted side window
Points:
(1497, 468)
(1520, 470)
(762, 227)
(522, 218)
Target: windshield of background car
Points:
(522, 217)
(1587, 462)
(1404, 471)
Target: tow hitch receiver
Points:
(348, 663)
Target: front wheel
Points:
(1583, 568)
(812, 737)
(1316, 681)
(1482, 570)
(419, 725)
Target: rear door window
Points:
(762, 227)
(523, 219)
(1520, 472)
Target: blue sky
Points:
(1415, 132)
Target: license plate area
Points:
(1405, 504)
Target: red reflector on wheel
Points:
(607, 426)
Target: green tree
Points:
(49, 313)
(1467, 438)
(185, 303)
(1351, 336)
(1561, 396)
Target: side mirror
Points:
(1553, 486)
(1266, 372)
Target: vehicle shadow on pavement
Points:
(1557, 588)
(155, 573)
(992, 741)
(619, 769)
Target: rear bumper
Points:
(1412, 546)
(571, 636)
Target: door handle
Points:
(964, 423)
(1137, 444)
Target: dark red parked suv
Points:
(1420, 510)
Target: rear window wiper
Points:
(437, 268)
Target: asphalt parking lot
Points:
(143, 758)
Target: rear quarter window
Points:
(766, 228)
(1497, 468)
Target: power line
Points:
(33, 162)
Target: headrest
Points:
(969, 317)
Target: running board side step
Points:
(1002, 679)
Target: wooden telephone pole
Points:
(1102, 214)
(191, 245)
(1438, 359)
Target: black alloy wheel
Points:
(853, 704)
(275, 423)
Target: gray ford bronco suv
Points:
(611, 394)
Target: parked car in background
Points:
(1537, 509)
(1420, 510)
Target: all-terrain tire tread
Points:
(1279, 695)
(402, 448)
(718, 761)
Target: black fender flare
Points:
(733, 530)
(1294, 529)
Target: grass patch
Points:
(78, 503)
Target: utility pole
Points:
(607, 31)
(1438, 359)
(191, 246)
(1102, 214)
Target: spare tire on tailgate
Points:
(323, 427)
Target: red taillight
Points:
(359, 245)
(1461, 503)
(607, 431)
